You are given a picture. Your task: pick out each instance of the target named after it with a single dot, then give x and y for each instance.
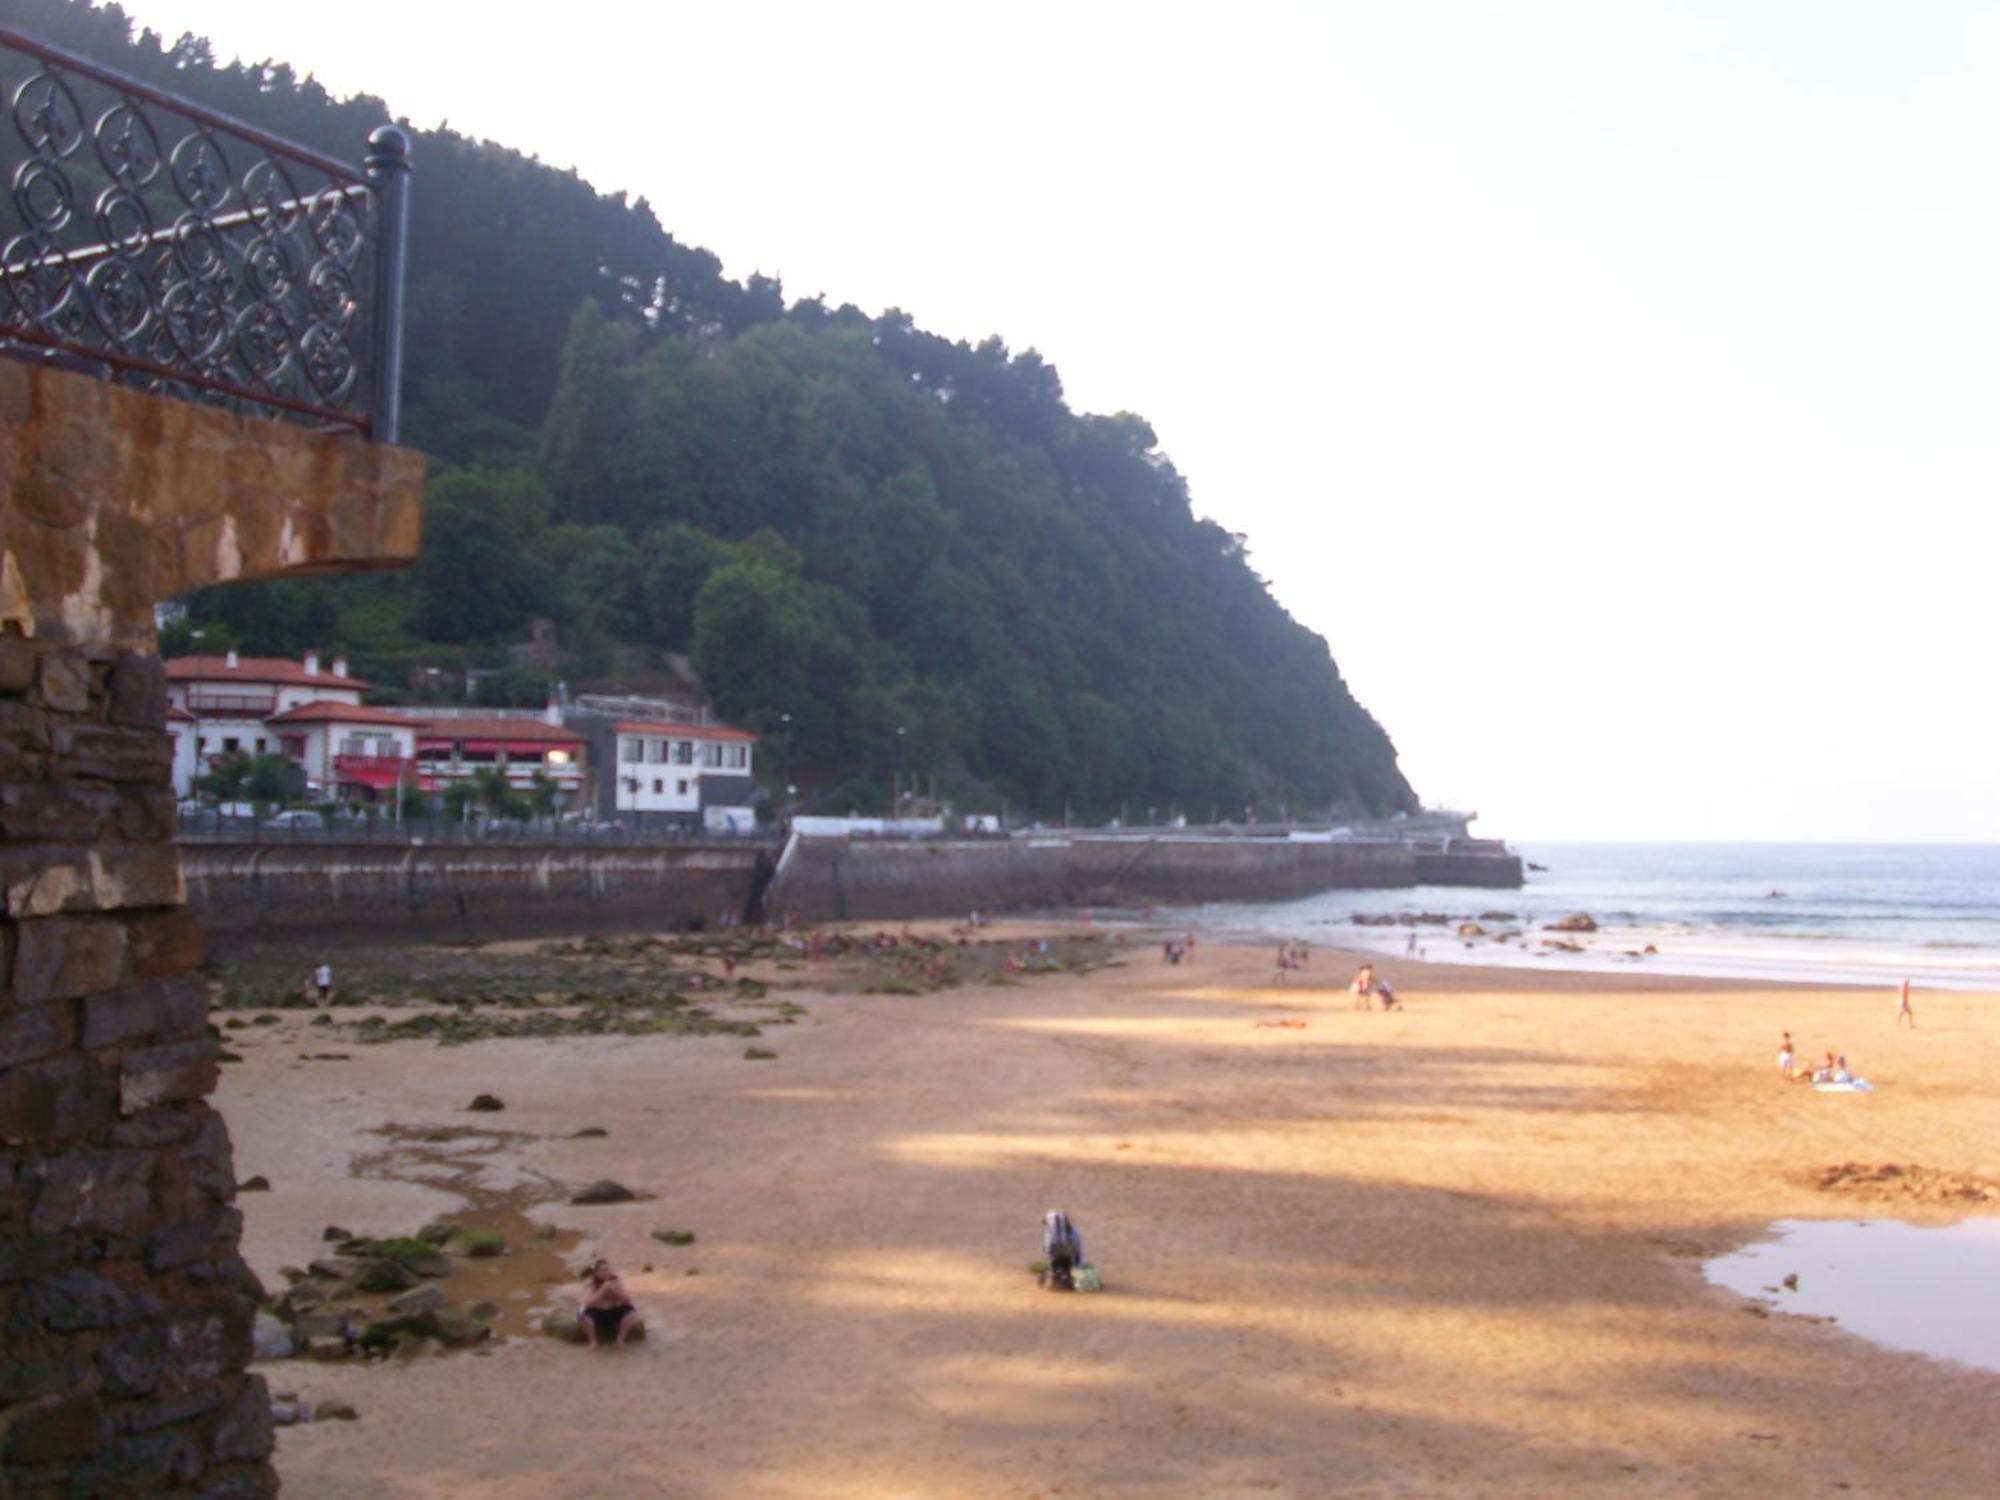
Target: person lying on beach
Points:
(1063, 1246)
(607, 1311)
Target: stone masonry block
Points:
(168, 1125)
(93, 1192)
(156, 1010)
(146, 814)
(63, 682)
(136, 694)
(29, 1035)
(193, 1240)
(166, 943)
(23, 1259)
(108, 752)
(23, 725)
(55, 812)
(60, 958)
(77, 1301)
(244, 1430)
(44, 880)
(23, 1380)
(160, 1075)
(57, 1102)
(17, 665)
(65, 1428)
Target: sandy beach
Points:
(1450, 1251)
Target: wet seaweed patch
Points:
(1896, 1181)
(468, 1024)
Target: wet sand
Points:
(1451, 1251)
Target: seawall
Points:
(483, 891)
(464, 890)
(830, 879)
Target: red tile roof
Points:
(260, 669)
(685, 731)
(342, 713)
(538, 730)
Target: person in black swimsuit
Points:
(607, 1312)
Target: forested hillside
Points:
(834, 516)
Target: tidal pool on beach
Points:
(1924, 1290)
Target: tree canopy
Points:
(839, 518)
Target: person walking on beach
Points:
(1364, 987)
(1903, 1011)
(1787, 1059)
(1410, 948)
(322, 982)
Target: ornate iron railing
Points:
(165, 245)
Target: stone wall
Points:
(458, 891)
(832, 879)
(125, 1310)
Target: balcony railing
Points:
(256, 705)
(157, 242)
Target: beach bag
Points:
(1087, 1279)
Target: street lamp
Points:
(896, 785)
(790, 790)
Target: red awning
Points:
(381, 778)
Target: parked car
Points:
(298, 818)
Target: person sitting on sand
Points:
(1064, 1248)
(1824, 1073)
(1840, 1073)
(1387, 992)
(607, 1311)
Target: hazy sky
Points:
(1614, 385)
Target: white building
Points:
(221, 706)
(659, 771)
(350, 752)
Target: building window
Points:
(260, 744)
(658, 786)
(683, 752)
(229, 744)
(681, 787)
(629, 752)
(736, 755)
(656, 752)
(200, 744)
(711, 755)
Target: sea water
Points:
(1871, 914)
(1924, 1289)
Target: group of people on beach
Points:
(1368, 987)
(1178, 950)
(1834, 1068)
(1791, 1070)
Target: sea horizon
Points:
(1824, 912)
